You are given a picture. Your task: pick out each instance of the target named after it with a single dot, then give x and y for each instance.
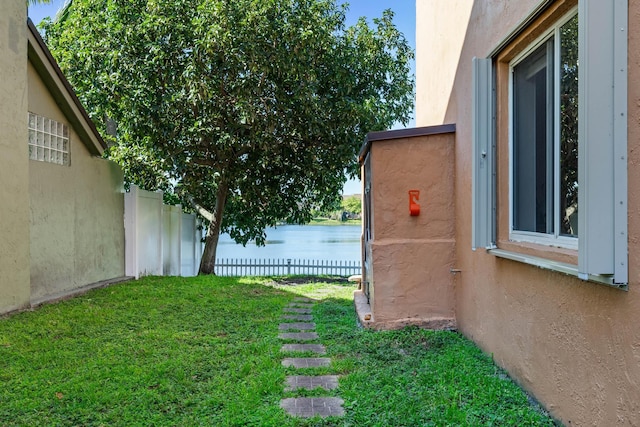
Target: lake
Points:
(313, 242)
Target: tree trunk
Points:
(208, 262)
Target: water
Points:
(314, 242)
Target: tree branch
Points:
(199, 208)
(205, 162)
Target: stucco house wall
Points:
(408, 278)
(14, 159)
(436, 69)
(61, 227)
(76, 210)
(575, 345)
(76, 215)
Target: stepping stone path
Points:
(306, 382)
(308, 407)
(314, 348)
(306, 362)
(298, 326)
(297, 310)
(300, 317)
(303, 330)
(300, 336)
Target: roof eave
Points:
(402, 133)
(62, 92)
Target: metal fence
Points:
(281, 267)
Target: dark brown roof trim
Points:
(403, 133)
(67, 86)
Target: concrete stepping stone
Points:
(301, 304)
(301, 317)
(297, 325)
(303, 299)
(298, 336)
(297, 310)
(314, 348)
(307, 407)
(308, 382)
(306, 362)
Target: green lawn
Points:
(204, 351)
(328, 221)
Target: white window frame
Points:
(602, 135)
(602, 141)
(483, 221)
(555, 239)
(48, 140)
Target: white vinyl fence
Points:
(277, 267)
(159, 239)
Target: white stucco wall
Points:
(76, 215)
(14, 176)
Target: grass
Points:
(328, 221)
(204, 351)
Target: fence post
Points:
(130, 229)
(289, 266)
(143, 232)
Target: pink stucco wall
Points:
(412, 256)
(574, 345)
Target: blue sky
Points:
(404, 12)
(404, 19)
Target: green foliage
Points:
(339, 213)
(336, 222)
(204, 351)
(251, 109)
(568, 124)
(352, 204)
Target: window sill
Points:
(569, 269)
(561, 242)
(547, 252)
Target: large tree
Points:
(249, 110)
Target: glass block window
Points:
(48, 140)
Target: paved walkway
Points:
(300, 330)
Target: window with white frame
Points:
(544, 138)
(48, 140)
(567, 142)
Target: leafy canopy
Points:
(352, 204)
(251, 110)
